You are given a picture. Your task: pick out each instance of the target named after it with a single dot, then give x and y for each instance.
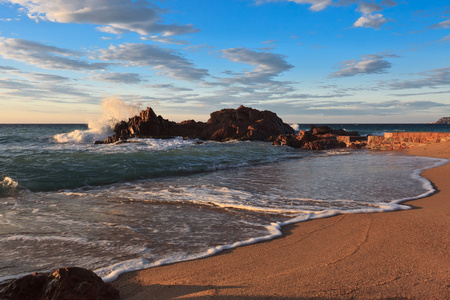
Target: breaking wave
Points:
(114, 111)
(8, 187)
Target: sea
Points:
(115, 208)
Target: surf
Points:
(114, 111)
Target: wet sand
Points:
(392, 255)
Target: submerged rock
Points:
(64, 283)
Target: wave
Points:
(8, 187)
(114, 111)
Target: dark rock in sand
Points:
(62, 284)
(244, 123)
(317, 138)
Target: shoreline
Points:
(368, 255)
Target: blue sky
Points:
(310, 61)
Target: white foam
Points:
(8, 182)
(114, 111)
(296, 127)
(111, 273)
(22, 237)
(8, 186)
(274, 230)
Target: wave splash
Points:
(114, 111)
(8, 187)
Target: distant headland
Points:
(443, 120)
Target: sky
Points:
(309, 61)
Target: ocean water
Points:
(115, 208)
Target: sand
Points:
(393, 255)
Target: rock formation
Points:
(317, 138)
(243, 123)
(61, 284)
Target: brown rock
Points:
(246, 124)
(317, 138)
(62, 284)
(243, 123)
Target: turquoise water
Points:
(65, 201)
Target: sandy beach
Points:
(395, 255)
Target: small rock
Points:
(62, 284)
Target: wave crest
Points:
(8, 187)
(114, 111)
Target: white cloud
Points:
(371, 21)
(369, 7)
(164, 40)
(266, 65)
(166, 61)
(368, 64)
(316, 5)
(44, 56)
(118, 16)
(111, 29)
(368, 18)
(441, 25)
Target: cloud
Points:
(6, 68)
(368, 64)
(369, 7)
(44, 56)
(352, 108)
(422, 94)
(441, 25)
(389, 3)
(44, 89)
(10, 84)
(166, 61)
(266, 65)
(164, 40)
(111, 29)
(406, 105)
(120, 78)
(445, 39)
(118, 16)
(431, 79)
(368, 18)
(169, 87)
(371, 21)
(43, 77)
(316, 5)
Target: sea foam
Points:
(114, 111)
(8, 187)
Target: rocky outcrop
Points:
(444, 120)
(317, 138)
(244, 123)
(61, 284)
